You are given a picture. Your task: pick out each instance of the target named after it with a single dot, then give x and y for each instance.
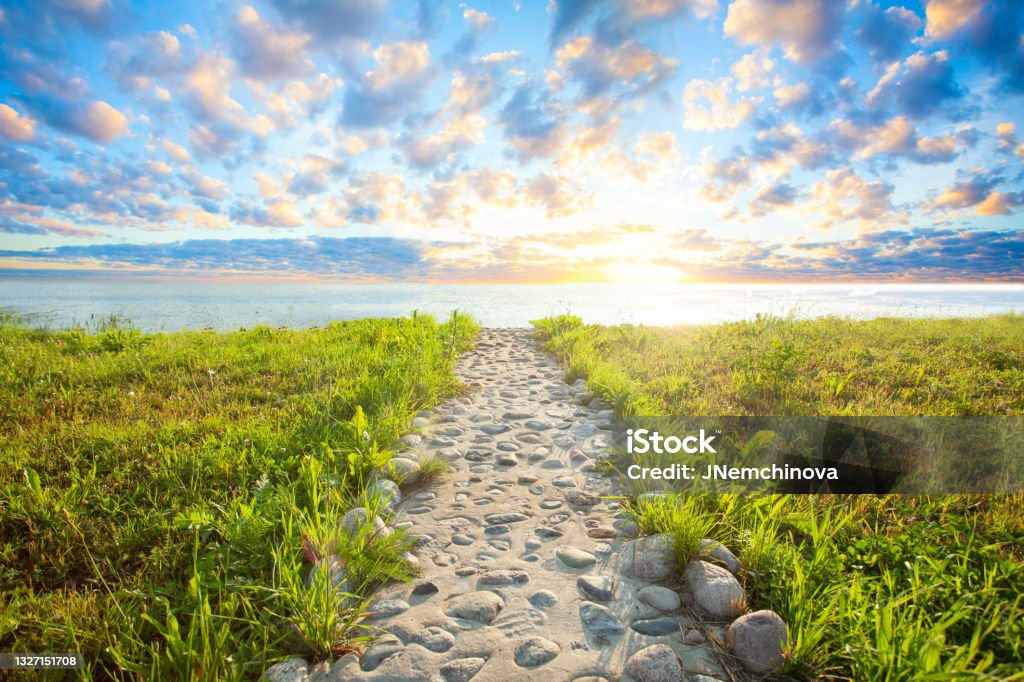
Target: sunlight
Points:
(643, 274)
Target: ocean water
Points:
(168, 305)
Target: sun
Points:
(643, 274)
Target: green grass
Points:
(161, 495)
(872, 587)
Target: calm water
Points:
(155, 305)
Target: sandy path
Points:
(521, 557)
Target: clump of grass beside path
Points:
(872, 588)
(157, 492)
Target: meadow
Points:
(873, 587)
(161, 495)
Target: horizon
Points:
(678, 142)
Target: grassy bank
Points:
(873, 588)
(160, 494)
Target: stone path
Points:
(527, 571)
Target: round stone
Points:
(535, 651)
(543, 599)
(288, 670)
(656, 627)
(657, 663)
(461, 669)
(596, 587)
(649, 558)
(757, 640)
(600, 624)
(661, 598)
(719, 553)
(574, 557)
(481, 606)
(715, 589)
(434, 639)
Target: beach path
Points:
(525, 554)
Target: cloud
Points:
(266, 52)
(532, 124)
(556, 194)
(725, 177)
(946, 17)
(208, 88)
(277, 213)
(917, 255)
(17, 218)
(354, 257)
(978, 192)
(461, 132)
(752, 71)
(661, 146)
(597, 67)
(784, 148)
(707, 106)
(774, 197)
(885, 33)
(333, 21)
(895, 138)
(568, 15)
(477, 20)
(137, 62)
(316, 174)
(14, 126)
(922, 85)
(987, 31)
(844, 196)
(807, 30)
(100, 122)
(391, 88)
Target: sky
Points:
(650, 141)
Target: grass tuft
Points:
(872, 588)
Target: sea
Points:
(172, 304)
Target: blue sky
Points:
(647, 141)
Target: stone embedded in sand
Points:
(574, 557)
(504, 576)
(715, 589)
(505, 517)
(461, 669)
(543, 599)
(383, 608)
(657, 663)
(480, 606)
(661, 598)
(649, 558)
(537, 425)
(656, 627)
(600, 624)
(582, 498)
(564, 482)
(596, 587)
(494, 429)
(757, 640)
(434, 639)
(535, 651)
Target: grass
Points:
(161, 496)
(872, 587)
